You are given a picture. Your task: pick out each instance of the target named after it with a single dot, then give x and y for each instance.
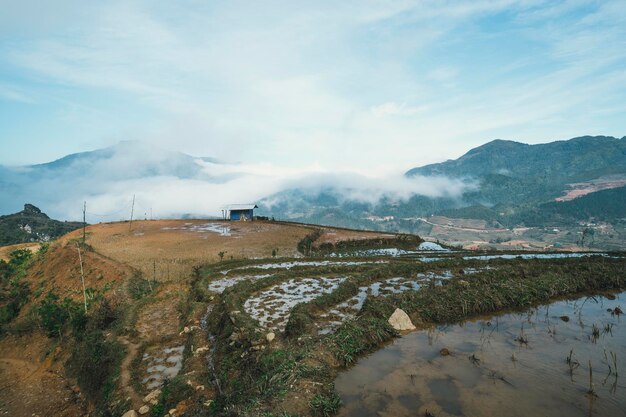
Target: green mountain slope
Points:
(31, 225)
(576, 159)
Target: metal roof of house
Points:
(241, 207)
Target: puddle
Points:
(519, 256)
(220, 229)
(293, 264)
(373, 252)
(329, 322)
(534, 256)
(220, 285)
(490, 372)
(161, 365)
(272, 307)
(431, 246)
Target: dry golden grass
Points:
(331, 235)
(6, 250)
(172, 247)
(169, 249)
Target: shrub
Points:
(138, 287)
(54, 314)
(94, 363)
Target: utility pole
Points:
(150, 213)
(84, 221)
(132, 209)
(82, 276)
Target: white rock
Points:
(399, 320)
(130, 413)
(144, 410)
(270, 336)
(201, 350)
(154, 395)
(173, 412)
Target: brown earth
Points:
(583, 188)
(333, 236)
(32, 381)
(5, 251)
(60, 271)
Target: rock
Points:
(199, 388)
(444, 352)
(464, 283)
(130, 413)
(144, 410)
(201, 350)
(173, 412)
(564, 318)
(153, 396)
(270, 336)
(400, 321)
(208, 403)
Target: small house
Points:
(240, 212)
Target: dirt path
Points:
(30, 388)
(125, 377)
(157, 324)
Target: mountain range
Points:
(516, 184)
(503, 182)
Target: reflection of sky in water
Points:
(409, 377)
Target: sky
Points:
(364, 86)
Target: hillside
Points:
(32, 225)
(580, 158)
(73, 348)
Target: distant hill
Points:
(514, 181)
(31, 225)
(77, 176)
(605, 205)
(577, 159)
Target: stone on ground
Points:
(400, 321)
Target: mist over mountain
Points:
(174, 184)
(502, 181)
(510, 183)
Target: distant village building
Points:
(239, 212)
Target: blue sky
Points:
(357, 85)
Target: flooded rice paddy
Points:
(333, 319)
(272, 307)
(535, 363)
(161, 364)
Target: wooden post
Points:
(132, 209)
(84, 221)
(82, 276)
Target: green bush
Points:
(138, 287)
(54, 315)
(94, 363)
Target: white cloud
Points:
(361, 83)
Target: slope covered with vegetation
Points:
(32, 225)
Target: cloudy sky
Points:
(358, 85)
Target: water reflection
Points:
(508, 365)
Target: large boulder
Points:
(400, 321)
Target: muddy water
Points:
(507, 365)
